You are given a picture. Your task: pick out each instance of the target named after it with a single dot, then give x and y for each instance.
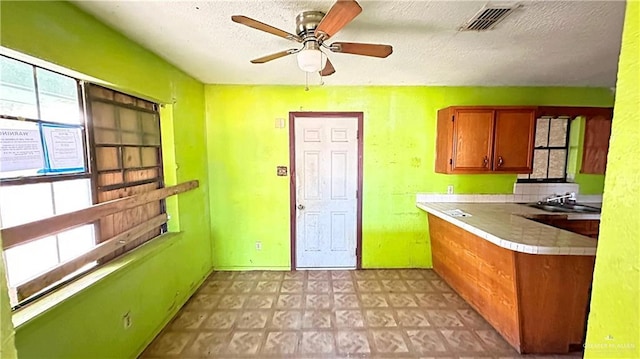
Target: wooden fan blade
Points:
(277, 55)
(247, 21)
(340, 14)
(374, 50)
(328, 69)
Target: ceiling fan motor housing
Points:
(307, 22)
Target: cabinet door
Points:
(514, 141)
(472, 140)
(596, 145)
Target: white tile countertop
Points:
(505, 225)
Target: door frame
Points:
(292, 178)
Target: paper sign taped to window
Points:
(20, 147)
(64, 147)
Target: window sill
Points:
(32, 311)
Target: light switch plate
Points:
(279, 122)
(282, 171)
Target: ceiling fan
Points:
(313, 29)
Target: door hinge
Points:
(356, 194)
(357, 135)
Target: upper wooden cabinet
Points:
(473, 139)
(514, 139)
(485, 139)
(596, 144)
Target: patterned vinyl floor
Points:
(329, 314)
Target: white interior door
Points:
(326, 156)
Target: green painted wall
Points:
(615, 305)
(89, 325)
(249, 203)
(589, 183)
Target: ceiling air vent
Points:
(488, 17)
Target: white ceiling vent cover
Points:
(488, 17)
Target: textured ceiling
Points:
(543, 43)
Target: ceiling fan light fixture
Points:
(311, 60)
(313, 29)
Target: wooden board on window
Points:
(109, 178)
(131, 157)
(128, 160)
(107, 158)
(596, 144)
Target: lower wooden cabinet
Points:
(538, 303)
(586, 227)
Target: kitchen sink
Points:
(565, 208)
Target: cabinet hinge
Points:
(453, 118)
(450, 161)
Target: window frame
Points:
(14, 181)
(549, 149)
(55, 177)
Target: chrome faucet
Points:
(562, 199)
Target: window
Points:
(550, 151)
(43, 165)
(41, 130)
(65, 145)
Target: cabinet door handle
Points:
(485, 160)
(500, 161)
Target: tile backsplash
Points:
(489, 198)
(545, 189)
(522, 193)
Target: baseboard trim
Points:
(244, 268)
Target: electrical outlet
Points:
(126, 320)
(450, 189)
(258, 246)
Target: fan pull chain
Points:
(306, 83)
(321, 69)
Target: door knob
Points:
(300, 206)
(500, 161)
